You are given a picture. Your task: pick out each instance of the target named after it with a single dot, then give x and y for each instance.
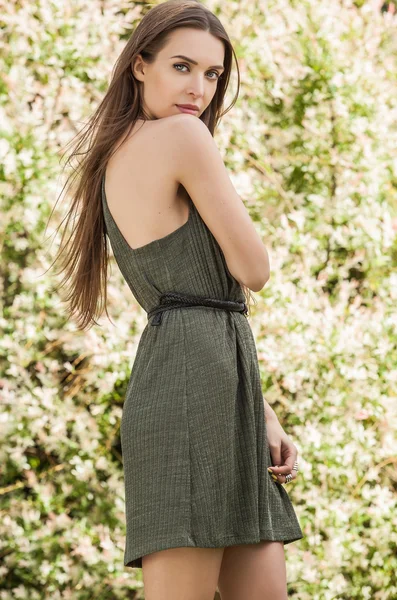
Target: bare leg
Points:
(182, 573)
(254, 571)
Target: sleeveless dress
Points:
(193, 428)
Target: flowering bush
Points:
(310, 146)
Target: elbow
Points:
(266, 279)
(264, 275)
(266, 270)
(255, 285)
(257, 278)
(260, 284)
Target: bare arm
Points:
(198, 165)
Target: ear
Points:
(137, 68)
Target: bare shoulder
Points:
(185, 138)
(163, 138)
(184, 128)
(183, 121)
(169, 142)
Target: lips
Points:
(188, 106)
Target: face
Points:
(172, 80)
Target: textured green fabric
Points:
(193, 429)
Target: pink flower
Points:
(362, 414)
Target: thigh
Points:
(182, 573)
(254, 571)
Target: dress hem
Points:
(134, 561)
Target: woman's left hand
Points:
(283, 452)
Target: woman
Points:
(198, 439)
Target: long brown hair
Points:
(85, 260)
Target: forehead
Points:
(200, 45)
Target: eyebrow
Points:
(196, 63)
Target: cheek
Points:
(172, 85)
(161, 85)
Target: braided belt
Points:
(171, 300)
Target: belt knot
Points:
(171, 300)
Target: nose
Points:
(197, 86)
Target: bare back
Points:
(144, 197)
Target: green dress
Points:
(193, 429)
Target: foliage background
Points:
(311, 148)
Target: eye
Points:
(183, 65)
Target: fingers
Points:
(286, 467)
(283, 469)
(279, 472)
(282, 478)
